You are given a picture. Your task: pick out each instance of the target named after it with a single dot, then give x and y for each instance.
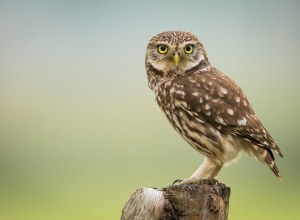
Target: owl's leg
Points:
(209, 169)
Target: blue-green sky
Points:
(80, 130)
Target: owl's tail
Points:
(268, 157)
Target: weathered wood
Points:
(208, 200)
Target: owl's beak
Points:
(176, 58)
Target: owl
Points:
(207, 108)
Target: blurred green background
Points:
(80, 130)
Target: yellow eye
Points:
(189, 49)
(162, 48)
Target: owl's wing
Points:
(217, 100)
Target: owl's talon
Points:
(177, 181)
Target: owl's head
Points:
(172, 53)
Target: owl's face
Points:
(174, 52)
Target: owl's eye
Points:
(189, 49)
(162, 48)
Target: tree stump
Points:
(207, 200)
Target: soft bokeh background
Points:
(80, 130)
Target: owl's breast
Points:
(192, 126)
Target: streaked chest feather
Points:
(192, 125)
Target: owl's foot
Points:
(196, 181)
(186, 181)
(209, 169)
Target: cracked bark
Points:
(207, 200)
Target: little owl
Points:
(207, 108)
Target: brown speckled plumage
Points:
(206, 107)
